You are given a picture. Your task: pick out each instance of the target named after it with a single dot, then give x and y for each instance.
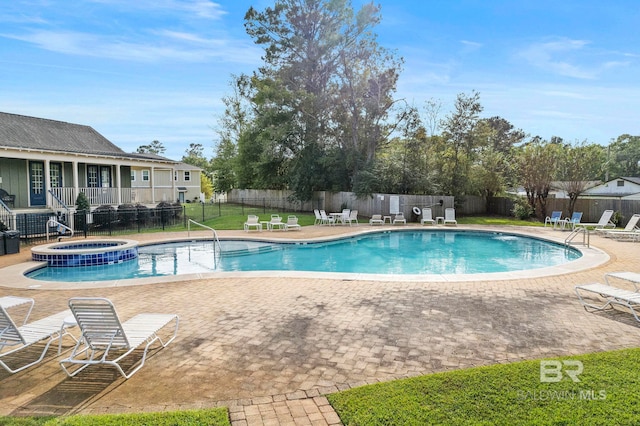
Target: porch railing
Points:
(100, 196)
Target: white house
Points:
(624, 188)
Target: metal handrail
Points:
(59, 226)
(216, 241)
(575, 232)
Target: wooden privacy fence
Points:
(387, 203)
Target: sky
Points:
(145, 70)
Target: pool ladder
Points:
(216, 241)
(576, 231)
(61, 228)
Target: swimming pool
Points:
(422, 252)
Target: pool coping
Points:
(591, 257)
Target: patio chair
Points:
(326, 219)
(399, 218)
(450, 216)
(603, 223)
(292, 223)
(345, 216)
(610, 295)
(318, 220)
(47, 329)
(103, 334)
(631, 231)
(427, 217)
(376, 219)
(353, 217)
(556, 216)
(252, 222)
(276, 222)
(572, 221)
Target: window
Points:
(145, 175)
(55, 175)
(175, 175)
(620, 183)
(133, 175)
(187, 176)
(92, 176)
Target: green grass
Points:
(505, 394)
(213, 417)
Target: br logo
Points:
(553, 371)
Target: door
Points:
(37, 193)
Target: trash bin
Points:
(1, 243)
(11, 242)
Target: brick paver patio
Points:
(271, 348)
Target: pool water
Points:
(403, 252)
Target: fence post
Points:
(202, 213)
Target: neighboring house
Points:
(559, 188)
(47, 163)
(187, 180)
(184, 185)
(624, 188)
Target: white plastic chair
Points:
(252, 222)
(450, 216)
(292, 223)
(399, 218)
(427, 217)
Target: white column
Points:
(153, 185)
(76, 186)
(47, 183)
(118, 184)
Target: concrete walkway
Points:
(271, 348)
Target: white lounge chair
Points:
(611, 296)
(353, 217)
(604, 222)
(20, 337)
(104, 334)
(276, 222)
(399, 218)
(630, 232)
(450, 216)
(252, 222)
(292, 223)
(318, 220)
(554, 219)
(427, 217)
(376, 219)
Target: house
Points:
(623, 188)
(185, 183)
(46, 163)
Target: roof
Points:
(19, 131)
(24, 132)
(186, 166)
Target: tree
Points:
(155, 147)
(625, 156)
(459, 135)
(577, 165)
(194, 155)
(323, 93)
(537, 167)
(206, 186)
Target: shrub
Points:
(143, 213)
(127, 214)
(521, 209)
(104, 215)
(82, 202)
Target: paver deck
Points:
(271, 348)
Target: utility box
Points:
(11, 242)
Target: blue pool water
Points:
(403, 252)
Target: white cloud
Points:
(113, 47)
(569, 58)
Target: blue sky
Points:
(144, 70)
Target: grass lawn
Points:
(507, 394)
(213, 417)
